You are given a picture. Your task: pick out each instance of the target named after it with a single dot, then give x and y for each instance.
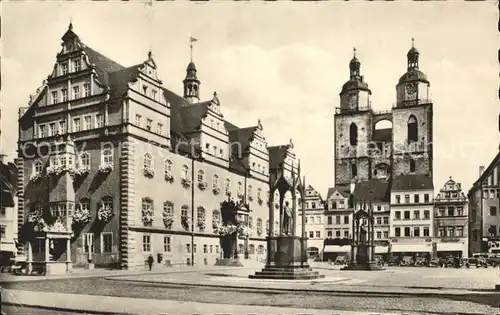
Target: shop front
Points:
(452, 247)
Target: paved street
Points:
(354, 284)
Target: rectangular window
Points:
(318, 234)
(416, 214)
(407, 198)
(64, 68)
(398, 199)
(460, 211)
(460, 231)
(341, 204)
(99, 120)
(330, 220)
(346, 219)
(386, 220)
(416, 198)
(159, 129)
(397, 232)
(149, 123)
(146, 243)
(64, 93)
(329, 234)
(426, 231)
(337, 219)
(416, 231)
(205, 249)
(62, 127)
(397, 215)
(311, 234)
(379, 220)
(167, 244)
(88, 122)
(86, 89)
(334, 205)
(441, 232)
(87, 242)
(76, 92)
(3, 233)
(407, 231)
(188, 248)
(427, 214)
(216, 249)
(194, 248)
(441, 211)
(426, 198)
(318, 219)
(76, 65)
(153, 94)
(451, 231)
(77, 125)
(55, 97)
(337, 233)
(386, 234)
(346, 234)
(138, 119)
(106, 242)
(407, 215)
(493, 210)
(379, 234)
(451, 211)
(313, 205)
(52, 129)
(493, 229)
(41, 131)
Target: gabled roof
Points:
(332, 190)
(412, 182)
(375, 190)
(191, 116)
(119, 80)
(486, 172)
(277, 155)
(104, 65)
(242, 136)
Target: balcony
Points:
(359, 109)
(412, 103)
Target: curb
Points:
(346, 292)
(63, 309)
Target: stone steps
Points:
(284, 273)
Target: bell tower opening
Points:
(412, 128)
(353, 134)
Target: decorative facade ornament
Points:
(81, 217)
(105, 214)
(148, 172)
(169, 178)
(202, 185)
(106, 168)
(186, 183)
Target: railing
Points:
(382, 112)
(359, 109)
(412, 103)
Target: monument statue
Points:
(287, 220)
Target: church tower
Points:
(191, 82)
(353, 128)
(412, 121)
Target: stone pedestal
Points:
(363, 259)
(89, 266)
(287, 259)
(57, 268)
(229, 262)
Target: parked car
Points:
(493, 260)
(479, 259)
(452, 262)
(466, 262)
(434, 262)
(340, 260)
(421, 262)
(407, 261)
(393, 261)
(482, 262)
(379, 259)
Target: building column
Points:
(68, 250)
(294, 214)
(47, 249)
(30, 257)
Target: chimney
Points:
(481, 170)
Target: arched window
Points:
(412, 166)
(200, 215)
(168, 167)
(250, 222)
(147, 211)
(38, 167)
(84, 160)
(84, 204)
(354, 170)
(215, 180)
(251, 249)
(260, 249)
(200, 176)
(168, 207)
(148, 160)
(107, 155)
(250, 191)
(412, 129)
(353, 134)
(107, 202)
(259, 194)
(239, 188)
(228, 185)
(184, 172)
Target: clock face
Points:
(411, 88)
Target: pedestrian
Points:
(150, 261)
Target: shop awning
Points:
(8, 247)
(450, 247)
(411, 248)
(337, 249)
(381, 249)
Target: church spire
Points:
(354, 66)
(191, 82)
(412, 56)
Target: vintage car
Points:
(407, 261)
(434, 262)
(493, 260)
(421, 262)
(379, 259)
(393, 261)
(479, 259)
(466, 262)
(340, 260)
(452, 262)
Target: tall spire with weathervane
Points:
(191, 82)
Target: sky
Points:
(283, 62)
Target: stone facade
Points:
(314, 222)
(146, 168)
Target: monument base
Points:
(229, 262)
(369, 266)
(287, 260)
